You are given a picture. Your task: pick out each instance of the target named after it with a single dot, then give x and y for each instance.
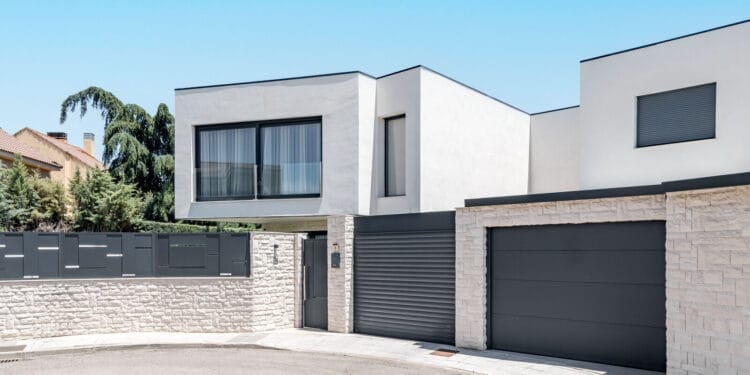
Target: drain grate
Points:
(443, 352)
(9, 360)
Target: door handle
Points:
(304, 283)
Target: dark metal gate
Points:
(593, 292)
(404, 276)
(315, 263)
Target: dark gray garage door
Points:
(404, 276)
(593, 292)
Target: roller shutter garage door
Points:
(592, 292)
(404, 276)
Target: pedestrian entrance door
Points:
(315, 272)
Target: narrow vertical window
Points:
(395, 156)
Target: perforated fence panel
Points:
(32, 255)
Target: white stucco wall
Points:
(610, 85)
(335, 98)
(397, 94)
(366, 132)
(554, 151)
(471, 145)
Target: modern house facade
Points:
(685, 95)
(617, 231)
(343, 144)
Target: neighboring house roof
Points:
(10, 146)
(74, 151)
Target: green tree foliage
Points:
(28, 201)
(138, 147)
(19, 198)
(51, 205)
(104, 205)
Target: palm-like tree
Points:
(138, 147)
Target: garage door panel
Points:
(604, 303)
(599, 236)
(642, 347)
(404, 276)
(630, 266)
(591, 292)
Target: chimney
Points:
(60, 136)
(88, 143)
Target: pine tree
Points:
(138, 147)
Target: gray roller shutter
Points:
(593, 292)
(682, 115)
(404, 276)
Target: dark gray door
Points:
(404, 276)
(593, 292)
(315, 264)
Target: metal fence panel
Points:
(85, 255)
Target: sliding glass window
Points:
(290, 155)
(226, 163)
(279, 159)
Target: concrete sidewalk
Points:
(314, 341)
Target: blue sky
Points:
(523, 52)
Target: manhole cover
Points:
(442, 352)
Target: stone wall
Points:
(263, 301)
(341, 280)
(708, 281)
(471, 245)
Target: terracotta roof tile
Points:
(11, 144)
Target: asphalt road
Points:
(209, 361)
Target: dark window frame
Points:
(257, 125)
(385, 154)
(638, 110)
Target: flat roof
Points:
(273, 80)
(356, 72)
(666, 41)
(727, 180)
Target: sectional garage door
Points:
(593, 292)
(404, 276)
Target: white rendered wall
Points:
(610, 85)
(366, 133)
(335, 98)
(554, 151)
(397, 94)
(471, 145)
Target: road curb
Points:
(93, 349)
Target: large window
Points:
(395, 156)
(681, 115)
(280, 159)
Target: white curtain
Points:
(227, 160)
(291, 159)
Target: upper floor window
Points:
(681, 115)
(395, 156)
(280, 159)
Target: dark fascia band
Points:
(426, 221)
(736, 179)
